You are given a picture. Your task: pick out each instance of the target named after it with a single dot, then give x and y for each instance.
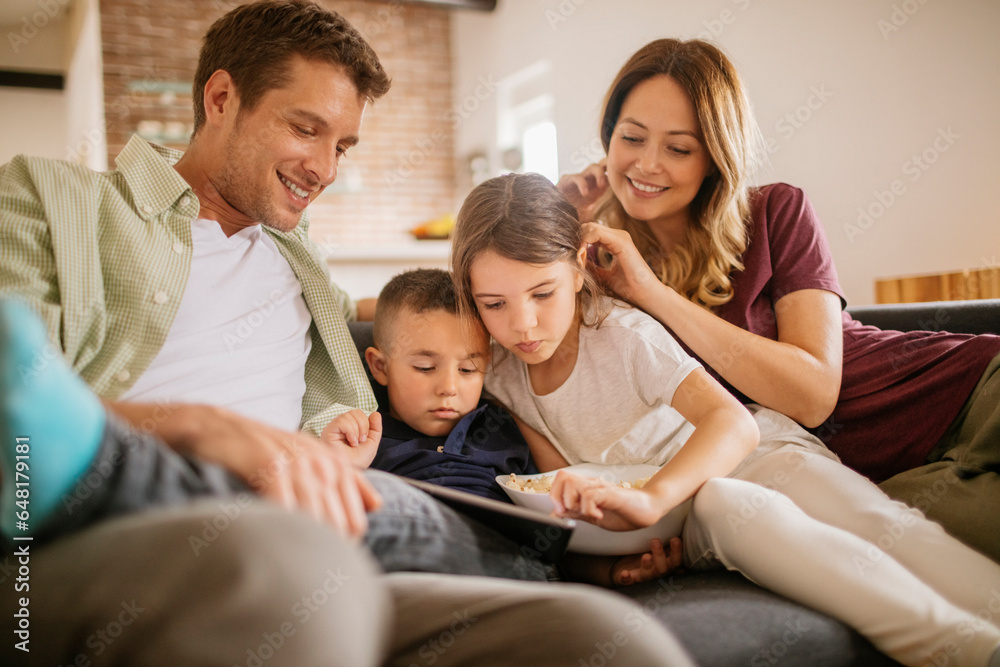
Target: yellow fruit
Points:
(439, 228)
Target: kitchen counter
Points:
(362, 270)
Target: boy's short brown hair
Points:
(255, 42)
(415, 291)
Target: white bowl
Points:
(590, 539)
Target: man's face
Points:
(283, 153)
(433, 370)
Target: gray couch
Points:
(724, 619)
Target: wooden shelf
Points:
(957, 286)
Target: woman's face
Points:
(656, 158)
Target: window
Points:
(526, 133)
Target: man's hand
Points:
(296, 470)
(360, 432)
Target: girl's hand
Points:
(640, 568)
(604, 504)
(583, 190)
(627, 275)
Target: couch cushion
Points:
(722, 618)
(975, 317)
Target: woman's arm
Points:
(798, 374)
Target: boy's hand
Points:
(602, 503)
(640, 568)
(353, 428)
(360, 432)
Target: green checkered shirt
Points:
(104, 259)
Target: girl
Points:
(591, 380)
(729, 267)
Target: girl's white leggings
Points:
(815, 531)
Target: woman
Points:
(744, 278)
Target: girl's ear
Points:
(376, 364)
(581, 265)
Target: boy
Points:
(436, 426)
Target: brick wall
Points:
(402, 173)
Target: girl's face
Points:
(656, 158)
(527, 308)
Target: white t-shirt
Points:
(615, 406)
(241, 335)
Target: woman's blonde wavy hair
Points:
(701, 267)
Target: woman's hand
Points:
(583, 190)
(603, 503)
(628, 275)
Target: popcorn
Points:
(544, 484)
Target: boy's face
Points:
(433, 370)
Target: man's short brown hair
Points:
(255, 42)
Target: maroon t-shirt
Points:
(900, 391)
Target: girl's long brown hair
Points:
(522, 217)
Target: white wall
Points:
(896, 79)
(86, 140)
(34, 120)
(34, 123)
(59, 37)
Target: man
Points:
(185, 292)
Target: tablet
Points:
(538, 534)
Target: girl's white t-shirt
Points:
(615, 406)
(242, 316)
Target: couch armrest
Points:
(974, 317)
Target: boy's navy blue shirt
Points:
(485, 443)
